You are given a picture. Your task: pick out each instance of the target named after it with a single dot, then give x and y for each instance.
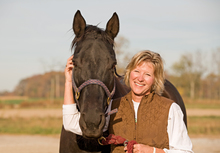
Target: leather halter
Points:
(88, 82)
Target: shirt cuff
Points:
(69, 109)
(165, 150)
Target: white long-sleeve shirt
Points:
(179, 141)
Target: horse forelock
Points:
(95, 31)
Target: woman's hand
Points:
(69, 69)
(141, 148)
(68, 92)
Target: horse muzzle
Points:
(92, 127)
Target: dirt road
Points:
(28, 144)
(44, 144)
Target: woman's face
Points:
(141, 80)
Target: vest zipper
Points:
(132, 108)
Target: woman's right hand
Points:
(69, 69)
(68, 92)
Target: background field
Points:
(34, 120)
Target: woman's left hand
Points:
(141, 148)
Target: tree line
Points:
(195, 75)
(48, 85)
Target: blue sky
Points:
(35, 36)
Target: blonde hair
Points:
(157, 62)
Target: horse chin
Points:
(92, 127)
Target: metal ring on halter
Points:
(100, 139)
(77, 94)
(108, 100)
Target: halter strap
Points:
(88, 82)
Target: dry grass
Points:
(205, 125)
(41, 126)
(13, 98)
(197, 125)
(202, 103)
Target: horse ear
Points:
(112, 27)
(79, 24)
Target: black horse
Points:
(94, 59)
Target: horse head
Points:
(94, 59)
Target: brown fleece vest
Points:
(151, 127)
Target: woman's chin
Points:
(140, 93)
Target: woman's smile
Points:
(139, 84)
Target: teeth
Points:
(139, 84)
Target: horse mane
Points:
(96, 31)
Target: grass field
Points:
(201, 103)
(45, 126)
(205, 125)
(197, 125)
(24, 102)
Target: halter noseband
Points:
(88, 82)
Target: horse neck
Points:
(121, 88)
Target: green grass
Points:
(43, 126)
(9, 102)
(197, 125)
(205, 125)
(19, 101)
(31, 102)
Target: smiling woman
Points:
(162, 118)
(155, 122)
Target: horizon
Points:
(36, 35)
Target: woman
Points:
(155, 122)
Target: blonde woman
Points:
(154, 122)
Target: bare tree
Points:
(216, 61)
(215, 64)
(189, 69)
(121, 49)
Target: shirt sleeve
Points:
(179, 141)
(71, 119)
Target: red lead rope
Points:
(112, 139)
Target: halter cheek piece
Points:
(88, 82)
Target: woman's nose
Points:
(140, 77)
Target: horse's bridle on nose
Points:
(88, 82)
